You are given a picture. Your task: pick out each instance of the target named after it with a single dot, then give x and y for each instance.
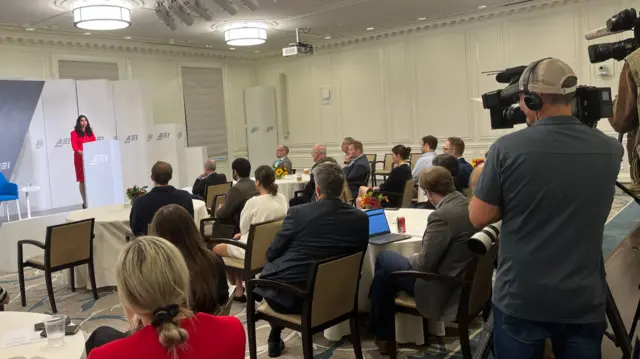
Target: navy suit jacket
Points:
(145, 207)
(309, 233)
(201, 184)
(357, 173)
(464, 172)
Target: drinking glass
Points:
(54, 327)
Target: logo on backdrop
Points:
(63, 141)
(163, 135)
(131, 138)
(149, 137)
(100, 138)
(39, 144)
(269, 129)
(254, 129)
(99, 159)
(5, 166)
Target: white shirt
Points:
(259, 209)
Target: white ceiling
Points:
(334, 18)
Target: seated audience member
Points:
(238, 195)
(455, 147)
(393, 187)
(154, 297)
(209, 287)
(319, 155)
(428, 146)
(358, 171)
(162, 194)
(452, 165)
(208, 178)
(475, 176)
(268, 205)
(311, 232)
(283, 161)
(444, 251)
(345, 148)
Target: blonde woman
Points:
(153, 285)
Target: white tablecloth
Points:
(111, 228)
(73, 347)
(287, 186)
(408, 328)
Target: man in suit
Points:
(238, 195)
(283, 161)
(162, 194)
(455, 147)
(444, 251)
(319, 154)
(309, 233)
(345, 148)
(357, 172)
(208, 178)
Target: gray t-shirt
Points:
(554, 183)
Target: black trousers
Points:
(296, 308)
(102, 336)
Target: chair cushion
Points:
(233, 262)
(291, 318)
(37, 260)
(8, 198)
(405, 300)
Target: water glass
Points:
(55, 327)
(299, 177)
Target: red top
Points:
(77, 141)
(210, 337)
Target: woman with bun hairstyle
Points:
(267, 206)
(396, 181)
(153, 286)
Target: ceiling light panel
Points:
(102, 17)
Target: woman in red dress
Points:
(81, 134)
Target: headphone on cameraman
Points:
(531, 99)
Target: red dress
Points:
(77, 145)
(210, 337)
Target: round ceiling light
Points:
(102, 17)
(245, 34)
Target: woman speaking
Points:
(80, 135)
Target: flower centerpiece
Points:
(281, 172)
(476, 161)
(373, 200)
(135, 192)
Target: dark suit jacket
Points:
(145, 207)
(464, 172)
(237, 196)
(444, 251)
(285, 163)
(357, 173)
(200, 185)
(309, 233)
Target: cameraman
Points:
(625, 113)
(552, 184)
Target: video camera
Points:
(589, 106)
(623, 21)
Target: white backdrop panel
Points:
(103, 173)
(168, 145)
(262, 134)
(95, 100)
(194, 160)
(60, 112)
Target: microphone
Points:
(601, 32)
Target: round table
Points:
(111, 230)
(290, 184)
(73, 347)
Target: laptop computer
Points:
(379, 232)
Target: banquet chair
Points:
(225, 309)
(372, 165)
(66, 246)
(407, 195)
(8, 192)
(413, 159)
(387, 166)
(475, 284)
(347, 196)
(261, 235)
(327, 300)
(212, 191)
(218, 230)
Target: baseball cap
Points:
(551, 76)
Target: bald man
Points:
(208, 178)
(475, 176)
(283, 161)
(319, 155)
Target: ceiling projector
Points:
(298, 48)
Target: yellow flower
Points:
(279, 172)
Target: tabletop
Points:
(115, 212)
(72, 348)
(30, 189)
(415, 220)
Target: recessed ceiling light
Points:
(482, 7)
(327, 37)
(171, 41)
(29, 29)
(370, 28)
(127, 37)
(257, 51)
(232, 48)
(209, 46)
(422, 18)
(87, 33)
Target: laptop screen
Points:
(378, 224)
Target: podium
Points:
(103, 173)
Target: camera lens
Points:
(624, 20)
(514, 115)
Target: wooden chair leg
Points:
(92, 278)
(425, 330)
(355, 336)
(23, 295)
(307, 343)
(52, 299)
(251, 329)
(1, 308)
(393, 345)
(463, 333)
(72, 275)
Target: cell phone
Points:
(40, 326)
(69, 329)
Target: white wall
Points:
(401, 88)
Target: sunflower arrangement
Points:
(281, 172)
(135, 192)
(373, 200)
(476, 161)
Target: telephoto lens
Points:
(614, 50)
(482, 241)
(624, 20)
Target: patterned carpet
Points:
(106, 311)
